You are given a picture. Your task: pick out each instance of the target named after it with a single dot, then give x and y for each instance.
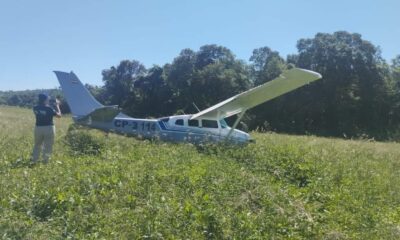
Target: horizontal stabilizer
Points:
(103, 114)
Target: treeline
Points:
(28, 98)
(358, 96)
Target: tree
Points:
(348, 99)
(153, 94)
(211, 54)
(205, 77)
(179, 75)
(395, 71)
(14, 100)
(119, 82)
(217, 82)
(266, 65)
(394, 95)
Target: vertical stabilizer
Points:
(78, 96)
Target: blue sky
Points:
(87, 36)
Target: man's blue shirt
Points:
(44, 115)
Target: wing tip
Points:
(315, 74)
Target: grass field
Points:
(281, 187)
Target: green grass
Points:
(282, 187)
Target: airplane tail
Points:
(79, 99)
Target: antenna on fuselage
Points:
(194, 104)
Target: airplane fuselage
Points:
(174, 128)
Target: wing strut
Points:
(236, 123)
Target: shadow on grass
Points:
(22, 163)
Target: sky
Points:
(88, 36)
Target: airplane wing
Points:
(288, 81)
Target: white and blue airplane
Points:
(205, 126)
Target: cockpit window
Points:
(165, 119)
(193, 123)
(179, 122)
(223, 123)
(209, 123)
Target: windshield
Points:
(223, 123)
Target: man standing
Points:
(44, 129)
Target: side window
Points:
(210, 123)
(179, 122)
(193, 123)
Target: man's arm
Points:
(58, 111)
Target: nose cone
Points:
(242, 137)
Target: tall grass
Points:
(282, 187)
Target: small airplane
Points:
(205, 126)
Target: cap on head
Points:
(43, 97)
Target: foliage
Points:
(82, 143)
(352, 99)
(160, 91)
(266, 65)
(358, 95)
(118, 81)
(352, 86)
(153, 95)
(281, 187)
(28, 98)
